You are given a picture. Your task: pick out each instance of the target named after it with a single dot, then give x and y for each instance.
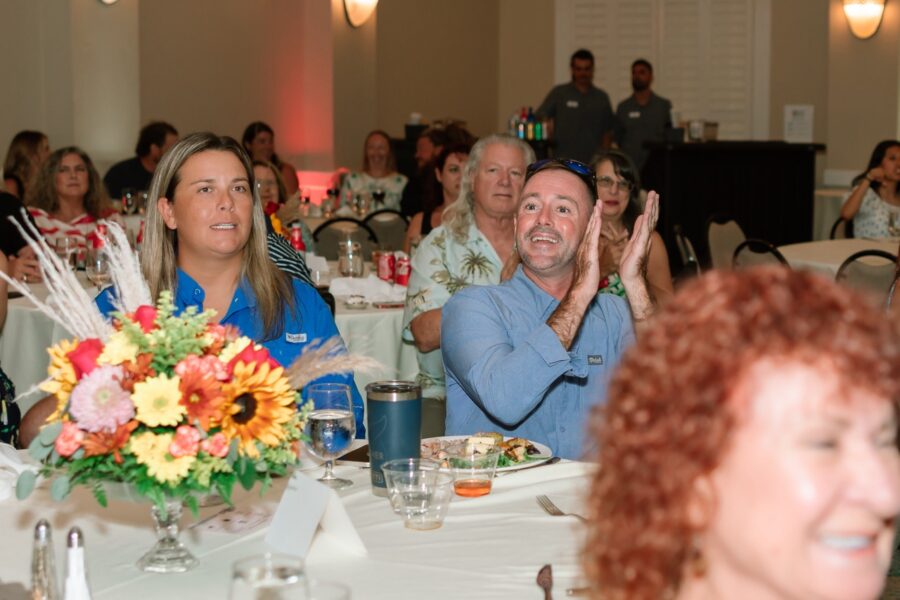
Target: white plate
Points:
(536, 459)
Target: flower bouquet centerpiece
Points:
(166, 407)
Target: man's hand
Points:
(567, 317)
(633, 267)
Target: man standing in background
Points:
(582, 115)
(643, 116)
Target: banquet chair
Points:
(333, 231)
(870, 271)
(390, 227)
(842, 229)
(723, 234)
(889, 303)
(690, 266)
(753, 253)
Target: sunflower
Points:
(152, 450)
(259, 404)
(62, 376)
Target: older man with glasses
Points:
(531, 356)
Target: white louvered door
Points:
(703, 52)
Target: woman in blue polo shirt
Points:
(206, 241)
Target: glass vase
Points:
(168, 555)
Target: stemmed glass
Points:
(894, 224)
(66, 248)
(330, 427)
(97, 268)
(129, 201)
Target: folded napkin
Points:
(372, 288)
(11, 465)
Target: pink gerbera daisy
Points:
(99, 403)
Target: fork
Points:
(552, 509)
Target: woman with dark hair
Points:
(67, 198)
(619, 187)
(874, 202)
(749, 446)
(379, 179)
(259, 142)
(27, 152)
(442, 189)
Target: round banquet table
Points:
(489, 547)
(826, 256)
(372, 332)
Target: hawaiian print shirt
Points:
(363, 185)
(441, 267)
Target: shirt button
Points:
(196, 293)
(563, 429)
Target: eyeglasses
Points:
(605, 182)
(578, 168)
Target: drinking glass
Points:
(473, 470)
(330, 427)
(66, 249)
(129, 201)
(401, 473)
(894, 224)
(269, 577)
(97, 267)
(350, 258)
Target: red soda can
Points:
(401, 269)
(385, 266)
(297, 239)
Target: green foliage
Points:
(25, 484)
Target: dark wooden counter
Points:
(767, 187)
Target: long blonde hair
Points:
(42, 191)
(159, 254)
(458, 216)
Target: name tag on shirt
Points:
(295, 338)
(595, 359)
(635, 114)
(572, 103)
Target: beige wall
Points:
(799, 72)
(440, 59)
(863, 79)
(525, 55)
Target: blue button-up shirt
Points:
(507, 371)
(311, 320)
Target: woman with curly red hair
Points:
(749, 446)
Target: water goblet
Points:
(97, 268)
(66, 248)
(330, 427)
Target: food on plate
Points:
(514, 451)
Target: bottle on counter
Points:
(43, 566)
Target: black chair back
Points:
(754, 252)
(333, 231)
(842, 229)
(690, 266)
(390, 226)
(870, 271)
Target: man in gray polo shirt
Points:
(643, 116)
(583, 120)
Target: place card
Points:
(307, 507)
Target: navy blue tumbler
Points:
(395, 421)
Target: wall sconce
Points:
(864, 16)
(359, 11)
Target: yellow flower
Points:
(117, 350)
(233, 349)
(260, 402)
(62, 376)
(157, 401)
(152, 450)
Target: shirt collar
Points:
(542, 299)
(189, 293)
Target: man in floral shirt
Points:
(470, 247)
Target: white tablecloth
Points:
(372, 332)
(826, 256)
(489, 547)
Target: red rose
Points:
(146, 318)
(251, 355)
(186, 442)
(84, 356)
(69, 439)
(216, 445)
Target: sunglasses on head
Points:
(577, 168)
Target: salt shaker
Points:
(76, 576)
(43, 567)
